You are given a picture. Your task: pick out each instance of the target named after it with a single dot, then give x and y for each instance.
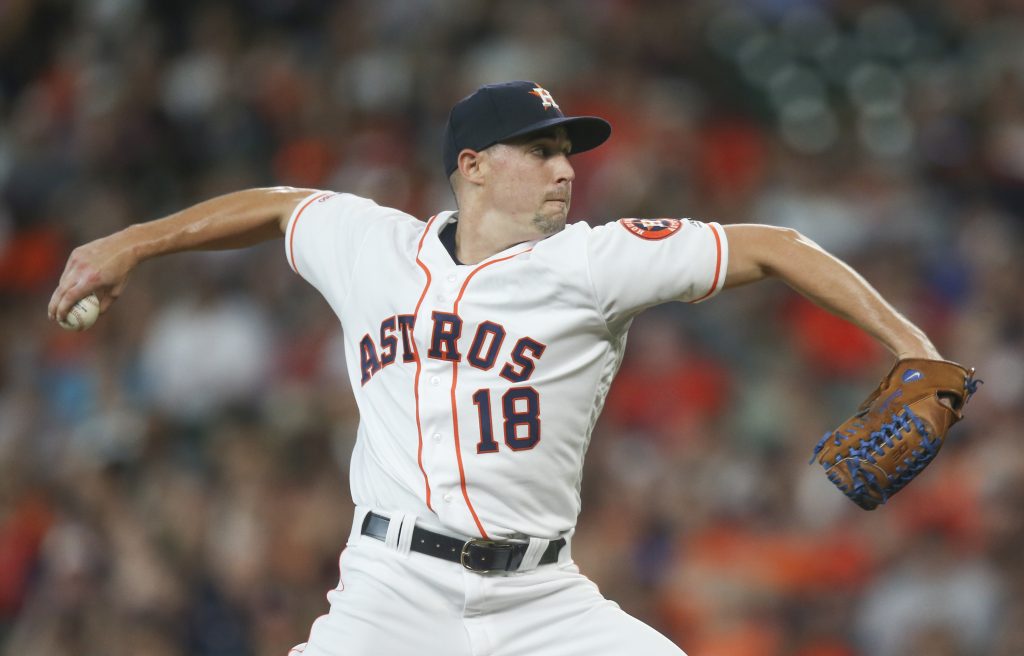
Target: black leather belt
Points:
(475, 555)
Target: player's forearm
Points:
(235, 220)
(834, 286)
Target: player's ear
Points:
(470, 162)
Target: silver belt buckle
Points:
(490, 544)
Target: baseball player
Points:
(481, 344)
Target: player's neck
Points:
(479, 236)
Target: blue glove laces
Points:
(865, 486)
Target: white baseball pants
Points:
(393, 602)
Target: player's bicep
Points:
(637, 263)
(322, 238)
(284, 201)
(755, 249)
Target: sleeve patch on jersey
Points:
(652, 229)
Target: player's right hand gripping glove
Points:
(897, 431)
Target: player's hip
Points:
(415, 604)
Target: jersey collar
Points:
(436, 256)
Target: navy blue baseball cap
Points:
(499, 112)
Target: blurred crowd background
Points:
(173, 482)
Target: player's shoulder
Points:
(361, 208)
(562, 244)
(624, 229)
(344, 213)
(648, 229)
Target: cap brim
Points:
(585, 132)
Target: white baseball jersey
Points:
(478, 385)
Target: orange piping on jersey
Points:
(718, 264)
(419, 364)
(295, 222)
(455, 380)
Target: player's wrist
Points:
(924, 350)
(134, 245)
(911, 342)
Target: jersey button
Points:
(448, 498)
(437, 437)
(452, 277)
(435, 381)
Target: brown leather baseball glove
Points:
(897, 431)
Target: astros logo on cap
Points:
(545, 97)
(652, 228)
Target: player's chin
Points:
(551, 218)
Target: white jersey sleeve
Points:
(637, 263)
(323, 239)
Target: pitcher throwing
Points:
(481, 344)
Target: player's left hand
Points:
(897, 431)
(101, 267)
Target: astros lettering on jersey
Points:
(508, 360)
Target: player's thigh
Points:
(568, 616)
(386, 604)
(609, 631)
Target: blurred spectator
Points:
(205, 354)
(930, 601)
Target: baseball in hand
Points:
(82, 314)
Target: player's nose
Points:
(563, 169)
